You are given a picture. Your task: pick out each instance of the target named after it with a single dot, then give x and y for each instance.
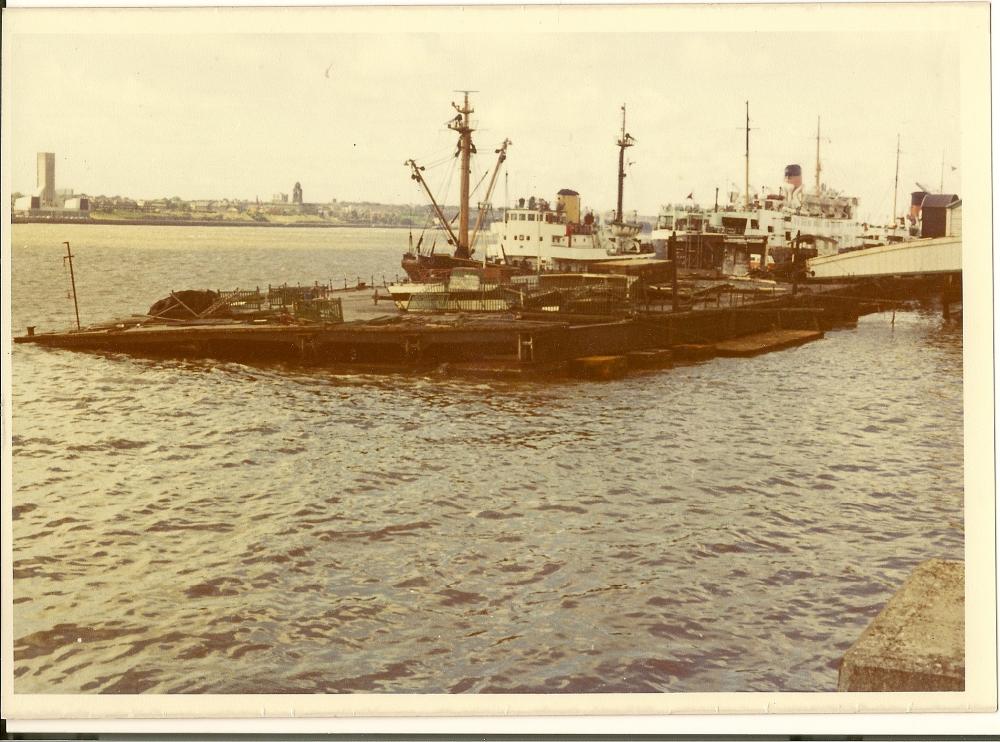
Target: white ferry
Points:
(769, 224)
(758, 228)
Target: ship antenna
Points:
(895, 187)
(72, 281)
(746, 178)
(818, 166)
(624, 142)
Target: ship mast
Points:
(818, 166)
(624, 142)
(895, 186)
(463, 126)
(746, 175)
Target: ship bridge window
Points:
(521, 216)
(754, 224)
(770, 228)
(531, 217)
(737, 225)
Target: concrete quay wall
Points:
(917, 642)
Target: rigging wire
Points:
(429, 218)
(445, 187)
(437, 163)
(436, 157)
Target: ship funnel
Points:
(793, 175)
(916, 202)
(792, 190)
(568, 201)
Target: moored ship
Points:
(537, 237)
(764, 228)
(431, 266)
(770, 224)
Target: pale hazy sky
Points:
(210, 115)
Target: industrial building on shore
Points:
(47, 202)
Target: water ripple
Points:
(188, 526)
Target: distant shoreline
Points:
(197, 223)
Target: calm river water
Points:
(188, 527)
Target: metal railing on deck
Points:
(307, 302)
(320, 310)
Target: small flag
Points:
(691, 195)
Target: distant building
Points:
(47, 178)
(77, 203)
(279, 198)
(942, 215)
(28, 203)
(297, 194)
(77, 207)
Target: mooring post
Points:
(672, 257)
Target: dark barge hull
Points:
(400, 343)
(529, 341)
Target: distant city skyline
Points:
(211, 115)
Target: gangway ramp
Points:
(912, 258)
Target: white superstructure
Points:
(778, 217)
(534, 234)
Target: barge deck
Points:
(362, 337)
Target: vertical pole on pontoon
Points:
(72, 281)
